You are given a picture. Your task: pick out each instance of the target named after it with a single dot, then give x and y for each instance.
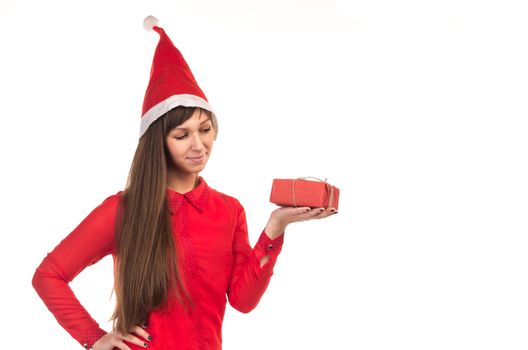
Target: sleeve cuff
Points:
(267, 246)
(270, 246)
(93, 335)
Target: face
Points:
(190, 144)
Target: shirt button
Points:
(270, 246)
(86, 346)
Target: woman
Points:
(179, 246)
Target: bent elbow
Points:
(244, 306)
(36, 280)
(44, 275)
(245, 309)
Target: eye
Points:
(184, 136)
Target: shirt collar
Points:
(197, 196)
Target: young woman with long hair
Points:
(180, 247)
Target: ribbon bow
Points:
(326, 188)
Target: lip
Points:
(199, 159)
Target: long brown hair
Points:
(146, 270)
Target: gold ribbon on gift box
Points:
(330, 201)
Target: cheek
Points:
(210, 141)
(175, 151)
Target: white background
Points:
(416, 110)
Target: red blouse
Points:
(217, 260)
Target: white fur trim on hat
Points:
(166, 105)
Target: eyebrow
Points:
(205, 121)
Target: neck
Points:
(182, 183)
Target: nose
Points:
(197, 143)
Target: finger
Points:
(135, 340)
(119, 344)
(333, 211)
(326, 214)
(140, 331)
(318, 211)
(330, 211)
(297, 213)
(322, 213)
(309, 215)
(302, 210)
(295, 210)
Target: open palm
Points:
(288, 215)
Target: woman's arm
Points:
(252, 267)
(88, 243)
(273, 230)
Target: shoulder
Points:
(113, 199)
(230, 201)
(110, 203)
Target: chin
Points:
(197, 168)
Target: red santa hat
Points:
(171, 82)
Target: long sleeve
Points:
(248, 280)
(88, 243)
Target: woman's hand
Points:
(283, 216)
(114, 339)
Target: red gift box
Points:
(304, 193)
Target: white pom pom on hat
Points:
(149, 22)
(171, 84)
